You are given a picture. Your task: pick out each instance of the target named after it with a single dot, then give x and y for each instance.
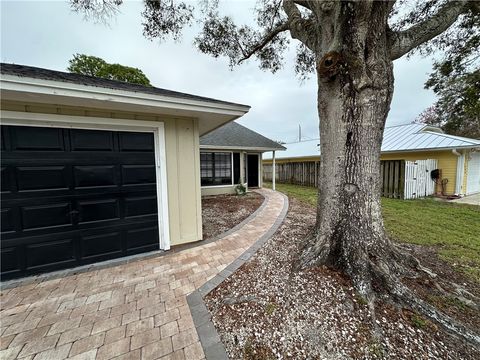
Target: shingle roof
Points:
(238, 136)
(409, 137)
(53, 75)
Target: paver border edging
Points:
(213, 347)
(13, 283)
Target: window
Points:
(215, 168)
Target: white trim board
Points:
(98, 123)
(57, 88)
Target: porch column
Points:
(273, 170)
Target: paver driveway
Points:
(131, 311)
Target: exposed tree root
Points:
(404, 296)
(380, 273)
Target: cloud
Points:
(47, 34)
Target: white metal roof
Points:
(409, 137)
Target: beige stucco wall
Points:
(182, 157)
(218, 190)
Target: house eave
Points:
(239, 148)
(210, 114)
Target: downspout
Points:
(273, 170)
(460, 171)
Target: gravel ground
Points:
(222, 212)
(265, 311)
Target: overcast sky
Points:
(47, 33)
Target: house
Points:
(457, 158)
(230, 155)
(94, 169)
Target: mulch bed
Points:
(266, 311)
(222, 212)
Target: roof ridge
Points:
(392, 126)
(263, 136)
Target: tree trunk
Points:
(355, 90)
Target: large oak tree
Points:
(351, 46)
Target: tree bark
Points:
(355, 87)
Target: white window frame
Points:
(17, 118)
(231, 169)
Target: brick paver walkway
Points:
(130, 311)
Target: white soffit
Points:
(210, 114)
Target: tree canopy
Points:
(95, 66)
(456, 82)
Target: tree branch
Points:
(266, 39)
(299, 27)
(305, 3)
(404, 41)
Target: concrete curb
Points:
(208, 335)
(123, 260)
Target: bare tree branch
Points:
(305, 3)
(266, 39)
(404, 41)
(298, 25)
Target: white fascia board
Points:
(238, 148)
(16, 84)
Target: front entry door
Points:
(252, 170)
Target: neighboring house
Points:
(458, 158)
(230, 155)
(94, 169)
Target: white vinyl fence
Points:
(418, 182)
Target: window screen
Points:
(215, 168)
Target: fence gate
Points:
(417, 178)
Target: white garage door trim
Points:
(473, 175)
(98, 123)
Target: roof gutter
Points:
(242, 148)
(455, 152)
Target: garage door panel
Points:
(94, 176)
(78, 197)
(6, 179)
(94, 246)
(10, 260)
(3, 138)
(7, 220)
(130, 141)
(50, 253)
(98, 210)
(92, 140)
(140, 240)
(46, 216)
(140, 206)
(138, 174)
(42, 178)
(36, 138)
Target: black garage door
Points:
(72, 197)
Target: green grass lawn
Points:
(454, 229)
